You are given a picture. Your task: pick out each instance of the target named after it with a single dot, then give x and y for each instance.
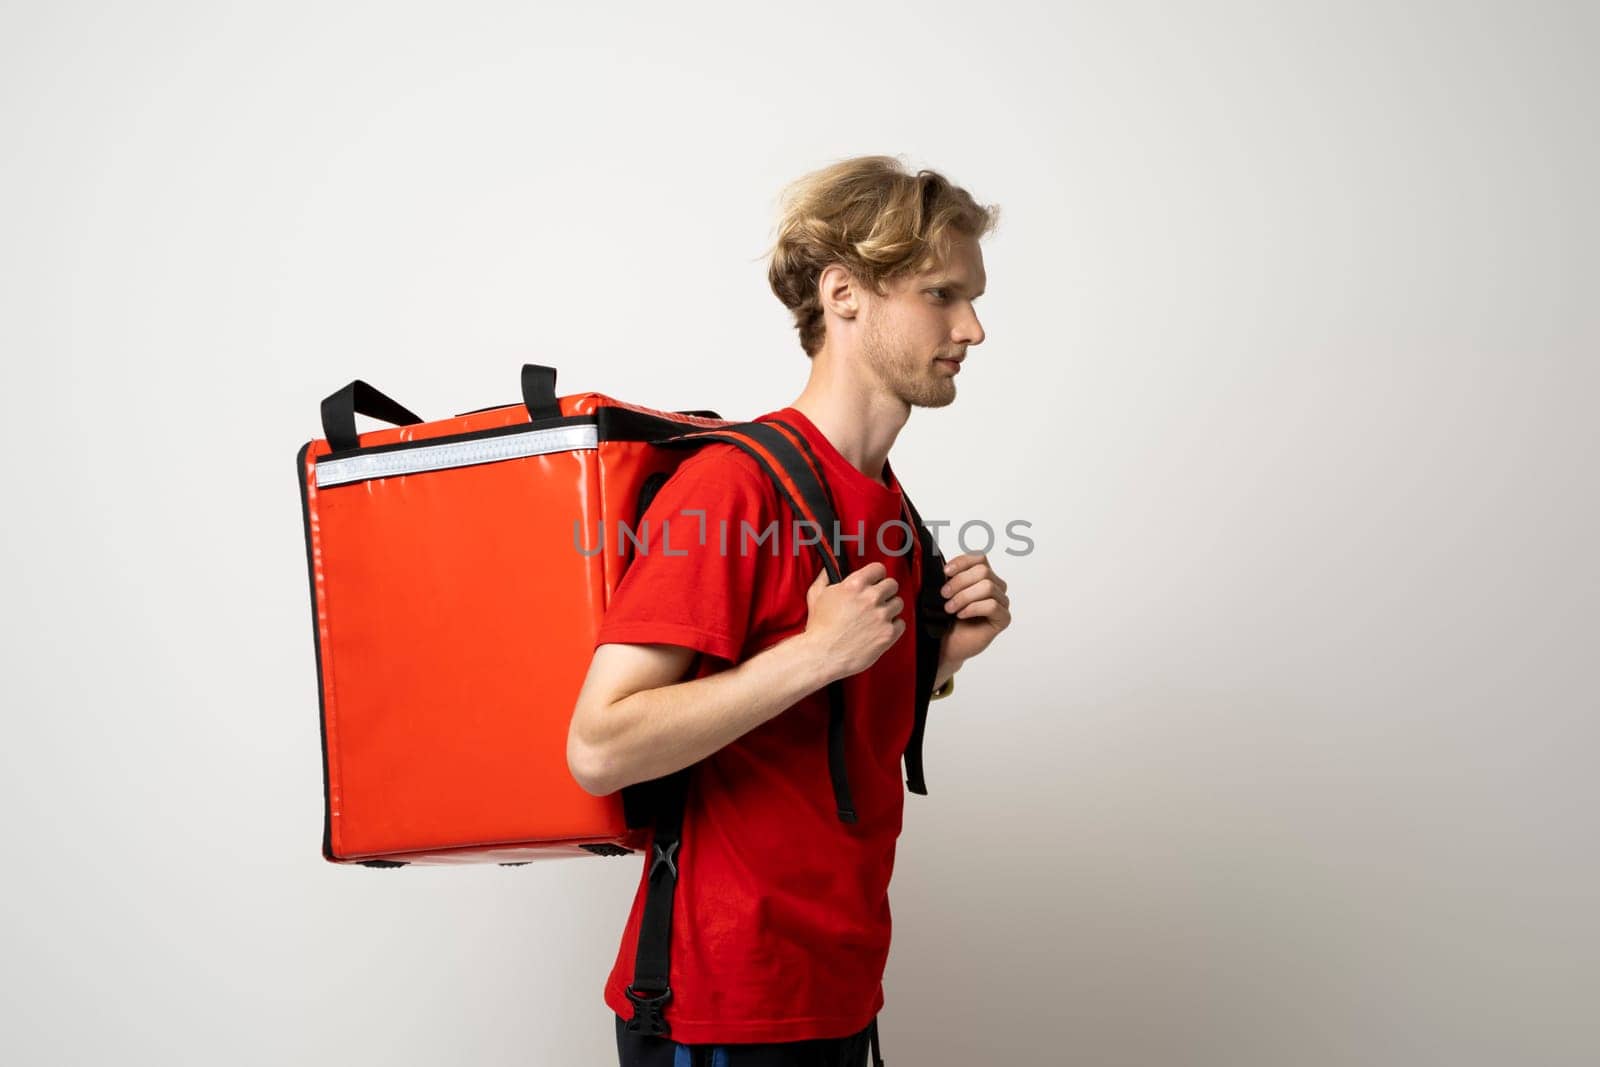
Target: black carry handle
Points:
(539, 392)
(339, 411)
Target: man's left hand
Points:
(976, 596)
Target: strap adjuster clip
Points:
(664, 858)
(647, 1018)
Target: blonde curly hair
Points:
(874, 218)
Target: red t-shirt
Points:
(780, 926)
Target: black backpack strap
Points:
(933, 622)
(666, 798)
(650, 989)
(660, 801)
(836, 708)
(801, 484)
(805, 446)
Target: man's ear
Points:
(839, 292)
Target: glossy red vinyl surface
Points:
(455, 618)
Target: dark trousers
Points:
(638, 1050)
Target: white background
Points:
(1288, 758)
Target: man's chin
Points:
(934, 398)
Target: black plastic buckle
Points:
(647, 1018)
(664, 857)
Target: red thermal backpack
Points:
(453, 623)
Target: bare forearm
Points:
(948, 664)
(657, 731)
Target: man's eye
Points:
(940, 293)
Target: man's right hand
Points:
(635, 720)
(853, 622)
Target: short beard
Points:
(902, 373)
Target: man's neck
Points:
(859, 420)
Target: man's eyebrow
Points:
(951, 283)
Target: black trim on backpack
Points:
(316, 643)
(647, 493)
(626, 424)
(611, 423)
(470, 435)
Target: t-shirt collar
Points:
(833, 461)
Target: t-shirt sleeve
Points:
(683, 587)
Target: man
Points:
(780, 927)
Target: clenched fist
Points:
(854, 621)
(976, 596)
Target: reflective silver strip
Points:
(456, 454)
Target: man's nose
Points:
(969, 331)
